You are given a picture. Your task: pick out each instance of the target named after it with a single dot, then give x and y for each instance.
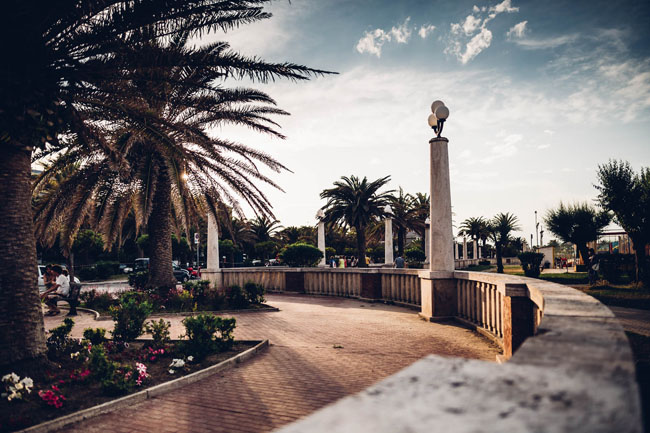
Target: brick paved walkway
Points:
(300, 372)
(633, 320)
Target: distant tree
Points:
(355, 202)
(421, 208)
(144, 244)
(475, 228)
(627, 195)
(87, 246)
(262, 228)
(227, 248)
(266, 250)
(181, 250)
(578, 223)
(301, 254)
(500, 228)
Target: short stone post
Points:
(212, 271)
(464, 248)
(455, 250)
(388, 237)
(474, 249)
(320, 215)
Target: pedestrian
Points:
(593, 265)
(399, 262)
(60, 289)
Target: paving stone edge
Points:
(154, 391)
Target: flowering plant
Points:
(15, 386)
(151, 354)
(179, 363)
(53, 397)
(79, 375)
(142, 373)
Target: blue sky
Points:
(540, 93)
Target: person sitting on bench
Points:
(60, 289)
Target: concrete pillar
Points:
(427, 245)
(455, 250)
(475, 249)
(388, 238)
(464, 248)
(212, 271)
(321, 237)
(437, 285)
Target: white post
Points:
(475, 249)
(427, 246)
(213, 244)
(455, 250)
(321, 237)
(441, 230)
(464, 248)
(388, 238)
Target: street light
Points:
(439, 113)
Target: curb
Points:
(138, 397)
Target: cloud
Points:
(372, 41)
(543, 146)
(517, 31)
(474, 27)
(546, 43)
(426, 30)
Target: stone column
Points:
(464, 248)
(388, 238)
(427, 245)
(321, 237)
(475, 249)
(438, 287)
(455, 250)
(212, 271)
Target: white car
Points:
(41, 273)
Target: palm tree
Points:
(355, 202)
(475, 228)
(263, 228)
(578, 223)
(500, 228)
(421, 206)
(405, 217)
(62, 80)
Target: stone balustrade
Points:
(569, 365)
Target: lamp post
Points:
(536, 230)
(437, 284)
(320, 216)
(388, 236)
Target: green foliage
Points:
(105, 269)
(59, 343)
(500, 228)
(266, 249)
(181, 300)
(254, 293)
(227, 248)
(98, 301)
(159, 332)
(138, 280)
(208, 334)
(95, 336)
(614, 266)
(87, 246)
(145, 244)
(301, 255)
(87, 273)
(377, 253)
(99, 365)
(329, 251)
(414, 255)
(236, 297)
(530, 263)
(115, 379)
(181, 250)
(129, 317)
(198, 288)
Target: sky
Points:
(539, 93)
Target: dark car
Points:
(181, 274)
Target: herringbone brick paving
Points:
(301, 372)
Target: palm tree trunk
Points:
(361, 246)
(160, 234)
(22, 335)
(498, 247)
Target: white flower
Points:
(28, 383)
(190, 358)
(13, 377)
(74, 355)
(19, 386)
(171, 371)
(177, 363)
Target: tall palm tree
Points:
(578, 223)
(421, 206)
(60, 80)
(500, 228)
(355, 202)
(475, 228)
(263, 228)
(403, 213)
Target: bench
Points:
(73, 298)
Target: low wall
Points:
(569, 365)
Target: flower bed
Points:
(87, 372)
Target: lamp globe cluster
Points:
(439, 113)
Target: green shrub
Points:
(59, 344)
(484, 263)
(207, 334)
(530, 263)
(99, 301)
(105, 269)
(99, 365)
(87, 273)
(138, 280)
(254, 293)
(159, 332)
(197, 288)
(129, 317)
(115, 379)
(301, 254)
(214, 300)
(413, 255)
(95, 336)
(235, 297)
(329, 252)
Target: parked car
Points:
(41, 273)
(126, 268)
(143, 264)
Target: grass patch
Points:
(478, 268)
(566, 278)
(629, 295)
